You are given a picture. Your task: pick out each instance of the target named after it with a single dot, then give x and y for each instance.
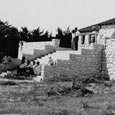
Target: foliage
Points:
(82, 81)
(34, 35)
(65, 37)
(24, 34)
(10, 37)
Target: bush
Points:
(2, 54)
(80, 82)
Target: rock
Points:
(38, 78)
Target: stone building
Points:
(94, 59)
(104, 31)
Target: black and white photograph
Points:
(57, 57)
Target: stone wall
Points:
(107, 32)
(32, 50)
(95, 59)
(109, 60)
(106, 37)
(88, 63)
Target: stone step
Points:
(63, 55)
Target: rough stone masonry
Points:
(97, 61)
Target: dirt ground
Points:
(32, 99)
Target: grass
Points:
(31, 99)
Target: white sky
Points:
(50, 14)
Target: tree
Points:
(13, 41)
(67, 31)
(36, 34)
(4, 28)
(45, 36)
(50, 36)
(24, 34)
(65, 37)
(59, 33)
(9, 39)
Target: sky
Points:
(50, 14)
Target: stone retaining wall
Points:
(94, 60)
(88, 63)
(110, 58)
(32, 50)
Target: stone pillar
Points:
(79, 41)
(56, 42)
(42, 71)
(20, 51)
(87, 37)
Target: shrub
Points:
(81, 81)
(2, 54)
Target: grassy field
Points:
(32, 99)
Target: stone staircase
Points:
(37, 53)
(35, 50)
(85, 62)
(59, 54)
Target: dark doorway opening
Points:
(76, 42)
